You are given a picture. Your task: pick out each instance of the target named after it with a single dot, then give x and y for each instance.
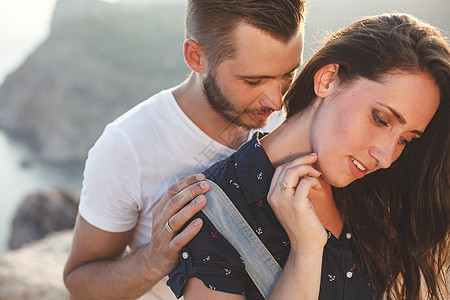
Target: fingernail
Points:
(204, 185)
(312, 154)
(197, 222)
(200, 199)
(200, 177)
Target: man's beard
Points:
(221, 104)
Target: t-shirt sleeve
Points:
(212, 259)
(110, 196)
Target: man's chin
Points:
(250, 123)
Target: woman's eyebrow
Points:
(399, 117)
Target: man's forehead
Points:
(259, 54)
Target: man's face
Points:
(248, 88)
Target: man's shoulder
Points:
(147, 113)
(153, 105)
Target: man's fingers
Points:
(178, 201)
(178, 220)
(184, 183)
(178, 192)
(188, 233)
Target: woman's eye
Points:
(376, 118)
(405, 142)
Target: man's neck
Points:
(191, 99)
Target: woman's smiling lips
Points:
(356, 168)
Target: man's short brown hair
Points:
(211, 22)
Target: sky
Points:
(24, 24)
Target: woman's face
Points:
(364, 126)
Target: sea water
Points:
(21, 173)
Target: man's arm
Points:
(96, 269)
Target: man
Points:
(243, 55)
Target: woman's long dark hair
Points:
(399, 216)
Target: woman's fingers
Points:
(304, 188)
(288, 177)
(296, 167)
(289, 197)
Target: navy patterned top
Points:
(245, 177)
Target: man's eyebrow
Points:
(400, 118)
(265, 76)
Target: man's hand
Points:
(179, 204)
(96, 268)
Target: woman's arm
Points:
(195, 289)
(300, 278)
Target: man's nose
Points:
(274, 95)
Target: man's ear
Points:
(324, 78)
(194, 56)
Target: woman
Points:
(374, 98)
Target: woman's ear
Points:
(324, 78)
(194, 56)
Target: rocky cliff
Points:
(99, 60)
(42, 213)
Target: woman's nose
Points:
(385, 152)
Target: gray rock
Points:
(42, 213)
(35, 272)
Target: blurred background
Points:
(69, 67)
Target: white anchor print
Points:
(259, 230)
(285, 243)
(227, 271)
(257, 145)
(208, 258)
(236, 185)
(260, 176)
(211, 287)
(329, 234)
(331, 277)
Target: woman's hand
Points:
(289, 198)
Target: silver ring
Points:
(169, 229)
(284, 186)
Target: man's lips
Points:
(261, 116)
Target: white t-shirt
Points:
(137, 158)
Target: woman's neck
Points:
(290, 141)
